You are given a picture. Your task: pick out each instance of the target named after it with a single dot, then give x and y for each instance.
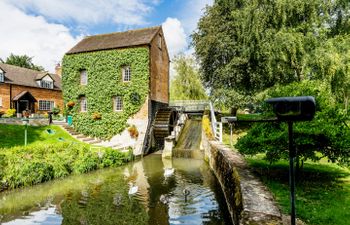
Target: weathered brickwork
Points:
(159, 70)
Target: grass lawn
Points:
(322, 190)
(48, 156)
(13, 135)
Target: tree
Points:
(251, 45)
(22, 61)
(327, 135)
(186, 84)
(331, 63)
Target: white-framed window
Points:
(46, 105)
(46, 84)
(83, 104)
(2, 76)
(126, 71)
(118, 103)
(83, 77)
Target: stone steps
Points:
(78, 136)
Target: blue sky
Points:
(46, 29)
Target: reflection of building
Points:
(26, 89)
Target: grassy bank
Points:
(48, 156)
(13, 135)
(322, 190)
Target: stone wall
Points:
(32, 122)
(248, 200)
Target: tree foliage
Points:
(251, 45)
(327, 135)
(186, 84)
(22, 61)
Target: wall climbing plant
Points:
(104, 82)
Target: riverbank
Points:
(50, 154)
(322, 190)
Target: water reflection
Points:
(103, 197)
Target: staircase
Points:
(78, 136)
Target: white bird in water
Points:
(168, 172)
(133, 190)
(164, 199)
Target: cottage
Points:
(116, 82)
(29, 90)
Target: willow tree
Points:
(251, 45)
(186, 84)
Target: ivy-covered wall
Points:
(104, 71)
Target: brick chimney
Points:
(58, 69)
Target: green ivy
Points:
(104, 69)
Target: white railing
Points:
(190, 105)
(215, 126)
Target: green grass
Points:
(13, 135)
(322, 190)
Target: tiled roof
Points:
(27, 77)
(115, 40)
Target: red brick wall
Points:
(38, 94)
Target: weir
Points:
(247, 199)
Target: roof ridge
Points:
(19, 67)
(120, 32)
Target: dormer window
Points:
(83, 77)
(46, 84)
(126, 71)
(2, 76)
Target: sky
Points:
(46, 29)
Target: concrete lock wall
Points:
(248, 200)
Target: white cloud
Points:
(33, 36)
(90, 12)
(174, 35)
(192, 12)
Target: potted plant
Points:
(70, 104)
(96, 116)
(134, 133)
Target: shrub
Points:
(112, 157)
(327, 135)
(33, 164)
(206, 127)
(56, 110)
(10, 113)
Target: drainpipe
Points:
(10, 96)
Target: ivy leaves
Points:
(105, 82)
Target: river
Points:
(189, 194)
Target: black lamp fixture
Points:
(292, 109)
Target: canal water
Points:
(189, 194)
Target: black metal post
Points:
(292, 155)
